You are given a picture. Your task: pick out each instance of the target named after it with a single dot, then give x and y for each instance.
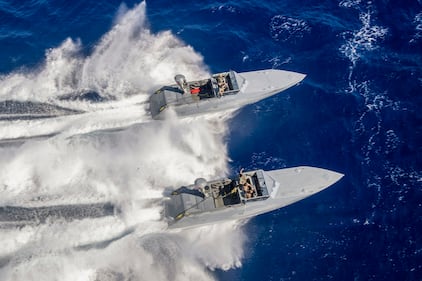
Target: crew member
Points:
(247, 187)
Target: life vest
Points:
(194, 91)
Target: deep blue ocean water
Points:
(357, 112)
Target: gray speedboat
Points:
(221, 92)
(252, 193)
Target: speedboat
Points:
(250, 194)
(220, 92)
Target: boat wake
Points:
(127, 64)
(80, 193)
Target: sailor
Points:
(247, 187)
(249, 193)
(222, 84)
(242, 177)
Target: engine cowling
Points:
(181, 82)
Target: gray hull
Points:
(275, 189)
(240, 89)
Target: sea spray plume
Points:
(128, 60)
(218, 246)
(154, 256)
(124, 68)
(111, 165)
(56, 76)
(126, 168)
(86, 169)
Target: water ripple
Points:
(365, 39)
(283, 28)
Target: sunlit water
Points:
(79, 151)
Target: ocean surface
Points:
(83, 166)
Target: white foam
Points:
(349, 3)
(363, 40)
(54, 78)
(124, 68)
(418, 28)
(418, 21)
(127, 168)
(285, 28)
(359, 43)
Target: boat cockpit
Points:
(249, 186)
(252, 186)
(208, 196)
(217, 86)
(185, 93)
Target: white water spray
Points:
(129, 168)
(124, 68)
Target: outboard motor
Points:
(201, 185)
(181, 81)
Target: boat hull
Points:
(287, 186)
(253, 86)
